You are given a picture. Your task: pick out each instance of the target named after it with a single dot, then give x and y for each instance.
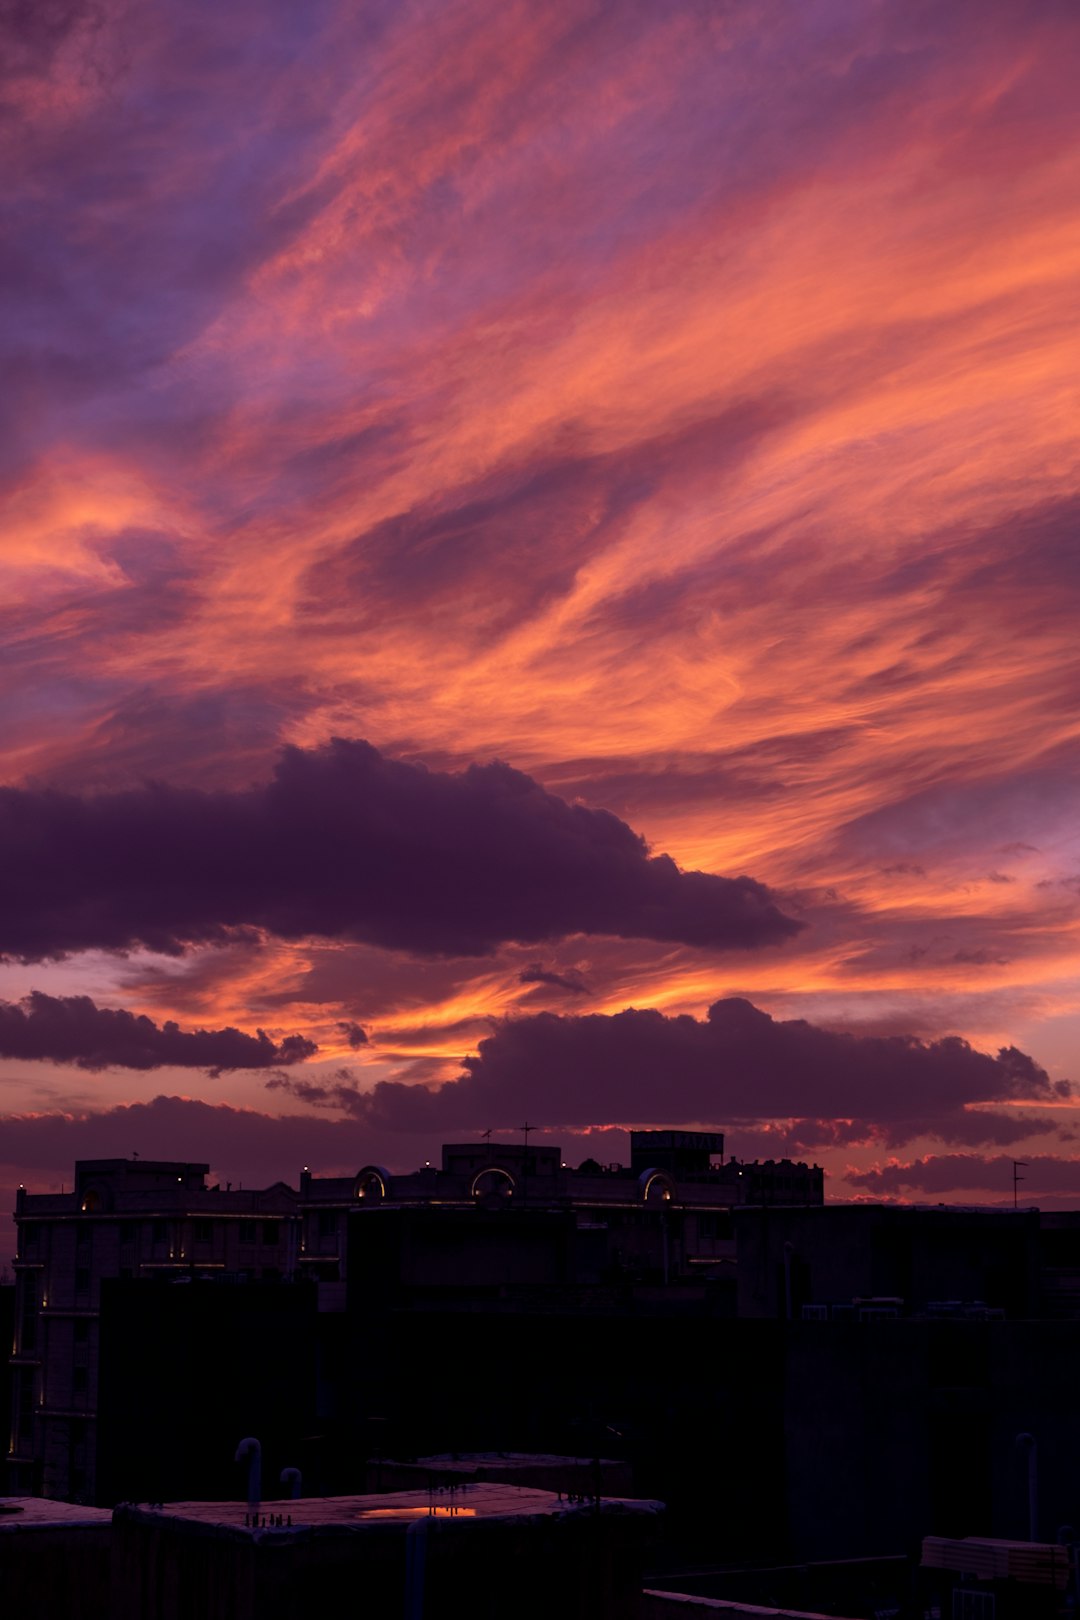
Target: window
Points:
(248, 1230)
(270, 1231)
(160, 1232)
(82, 1279)
(203, 1231)
(78, 1380)
(82, 1330)
(31, 1232)
(968, 1605)
(327, 1223)
(24, 1404)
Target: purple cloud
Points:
(354, 1033)
(347, 844)
(571, 983)
(72, 1029)
(738, 1064)
(1045, 1174)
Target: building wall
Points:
(923, 1258)
(123, 1219)
(189, 1370)
(899, 1429)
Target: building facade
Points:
(124, 1218)
(679, 1175)
(664, 1219)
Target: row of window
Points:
(248, 1231)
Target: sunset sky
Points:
(517, 513)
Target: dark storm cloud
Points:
(737, 1064)
(72, 1029)
(347, 844)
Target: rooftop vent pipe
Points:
(252, 1450)
(291, 1477)
(1027, 1443)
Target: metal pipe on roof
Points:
(1027, 1442)
(251, 1449)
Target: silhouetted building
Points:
(979, 1576)
(1059, 1264)
(666, 1215)
(124, 1219)
(54, 1560)
(484, 1550)
(190, 1367)
(874, 1260)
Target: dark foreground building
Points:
(187, 1370)
(485, 1551)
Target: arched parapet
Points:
(372, 1184)
(655, 1187)
(95, 1199)
(493, 1182)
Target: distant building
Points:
(679, 1175)
(665, 1219)
(124, 1218)
(875, 1260)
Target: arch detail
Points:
(372, 1184)
(656, 1187)
(493, 1182)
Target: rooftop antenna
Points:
(485, 1136)
(1018, 1165)
(134, 1155)
(527, 1127)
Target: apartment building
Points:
(123, 1218)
